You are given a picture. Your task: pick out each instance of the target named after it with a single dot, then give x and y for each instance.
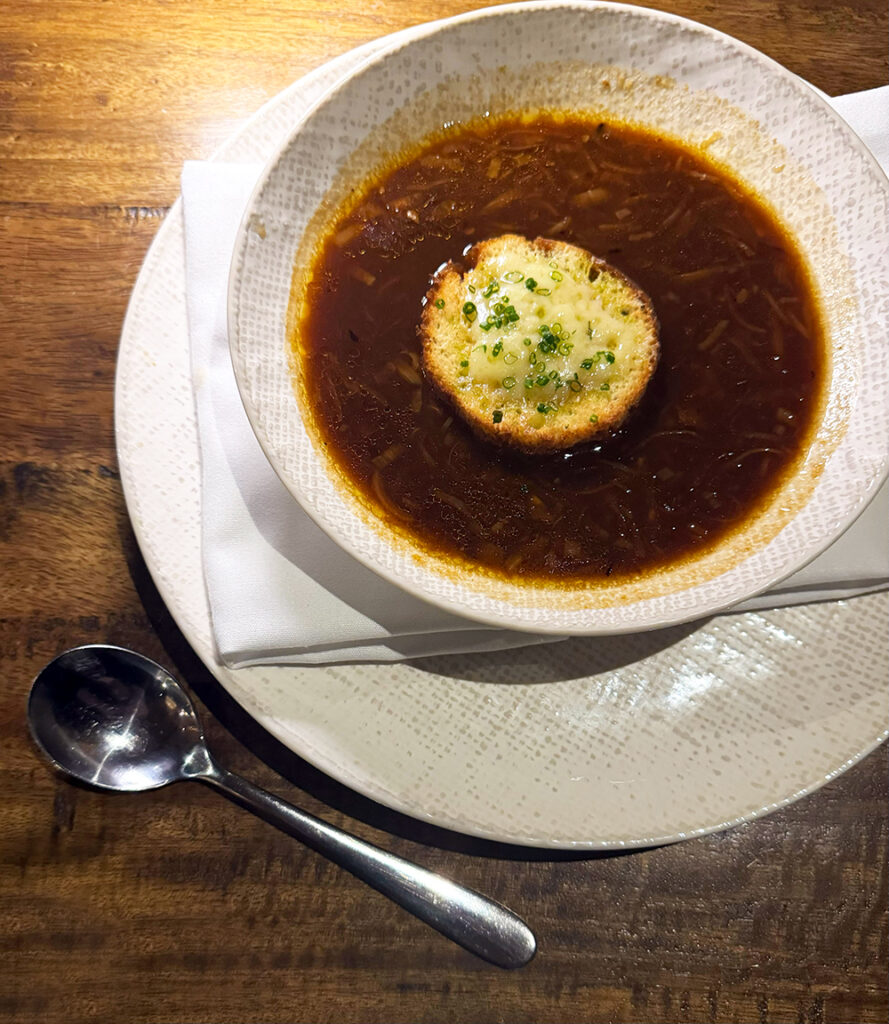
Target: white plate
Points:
(591, 743)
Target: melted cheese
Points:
(539, 331)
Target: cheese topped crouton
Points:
(539, 345)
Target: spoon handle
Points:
(480, 925)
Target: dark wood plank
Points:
(65, 279)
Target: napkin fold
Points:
(280, 590)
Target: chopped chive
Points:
(556, 276)
(472, 289)
(503, 312)
(497, 349)
(529, 383)
(594, 418)
(530, 284)
(607, 356)
(439, 303)
(564, 348)
(509, 382)
(605, 386)
(543, 407)
(464, 362)
(527, 341)
(510, 358)
(493, 286)
(575, 385)
(587, 364)
(514, 276)
(624, 312)
(542, 291)
(469, 311)
(498, 415)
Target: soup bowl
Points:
(770, 131)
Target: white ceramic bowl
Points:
(775, 132)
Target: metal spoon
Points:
(114, 719)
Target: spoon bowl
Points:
(117, 720)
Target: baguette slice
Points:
(539, 345)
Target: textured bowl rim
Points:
(493, 617)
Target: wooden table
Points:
(177, 906)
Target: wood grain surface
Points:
(176, 906)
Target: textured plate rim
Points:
(229, 678)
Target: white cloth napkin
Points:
(282, 592)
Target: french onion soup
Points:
(725, 415)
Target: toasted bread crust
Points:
(588, 411)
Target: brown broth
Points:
(728, 411)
